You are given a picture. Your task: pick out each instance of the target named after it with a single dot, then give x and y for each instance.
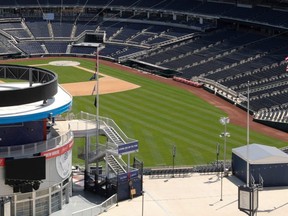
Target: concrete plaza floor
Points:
(198, 195)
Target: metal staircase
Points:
(85, 125)
(113, 135)
(115, 165)
(93, 156)
(115, 176)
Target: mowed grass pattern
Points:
(160, 116)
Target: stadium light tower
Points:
(224, 121)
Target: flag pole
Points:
(97, 108)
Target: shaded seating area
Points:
(62, 29)
(82, 50)
(85, 26)
(56, 46)
(38, 28)
(226, 55)
(15, 28)
(6, 47)
(31, 47)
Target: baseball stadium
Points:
(144, 107)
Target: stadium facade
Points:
(217, 45)
(36, 147)
(36, 153)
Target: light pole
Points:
(224, 121)
(217, 153)
(142, 167)
(142, 202)
(173, 155)
(97, 104)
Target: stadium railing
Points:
(96, 210)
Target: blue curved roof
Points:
(60, 103)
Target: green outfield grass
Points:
(159, 116)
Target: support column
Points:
(87, 168)
(174, 17)
(50, 202)
(30, 77)
(33, 202)
(201, 20)
(87, 147)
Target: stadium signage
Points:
(128, 148)
(58, 151)
(127, 176)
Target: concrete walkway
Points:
(197, 195)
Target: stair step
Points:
(112, 134)
(114, 165)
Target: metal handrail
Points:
(103, 121)
(96, 210)
(33, 148)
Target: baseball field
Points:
(160, 113)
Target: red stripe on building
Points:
(2, 161)
(58, 151)
(49, 154)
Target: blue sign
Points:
(128, 148)
(127, 176)
(122, 177)
(48, 16)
